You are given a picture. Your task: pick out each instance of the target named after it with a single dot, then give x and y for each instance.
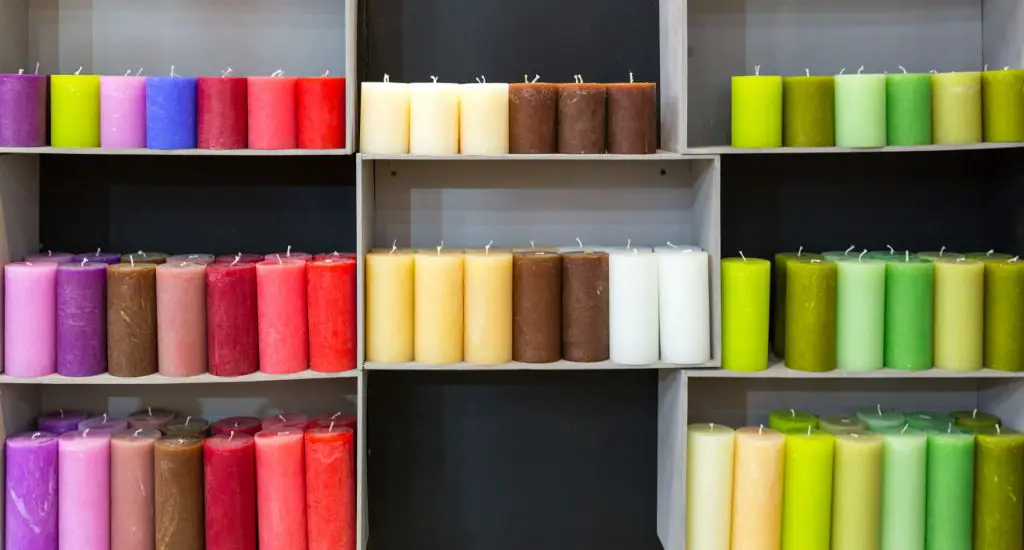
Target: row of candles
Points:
(185, 315)
(632, 305)
(875, 480)
(485, 118)
(874, 110)
(864, 311)
(172, 112)
(150, 481)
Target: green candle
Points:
(74, 111)
(756, 111)
(810, 315)
(860, 313)
(959, 314)
(836, 254)
(926, 420)
(903, 489)
(841, 424)
(932, 254)
(791, 420)
(860, 110)
(908, 314)
(808, 111)
(1003, 105)
(974, 420)
(856, 498)
(888, 255)
(949, 501)
(746, 284)
(879, 419)
(988, 255)
(908, 109)
(779, 298)
(807, 491)
(998, 490)
(1004, 315)
(956, 108)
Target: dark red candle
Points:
(272, 112)
(232, 334)
(331, 309)
(229, 463)
(242, 258)
(223, 113)
(320, 104)
(330, 489)
(239, 424)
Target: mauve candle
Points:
(83, 481)
(249, 425)
(98, 256)
(31, 511)
(60, 422)
(30, 315)
(49, 256)
(81, 318)
(103, 423)
(229, 464)
(181, 318)
(131, 489)
(286, 421)
(150, 419)
(123, 112)
(23, 110)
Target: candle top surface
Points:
(82, 265)
(677, 249)
(281, 263)
(809, 433)
(392, 251)
(179, 442)
(65, 414)
(137, 267)
(240, 257)
(239, 421)
(998, 434)
(904, 432)
(240, 266)
(710, 428)
(280, 434)
(138, 436)
(31, 266)
(734, 260)
(443, 252)
(143, 256)
(760, 432)
(866, 438)
(488, 252)
(880, 414)
(229, 441)
(285, 418)
(155, 413)
(194, 258)
(31, 439)
(182, 265)
(86, 438)
(841, 420)
(858, 259)
(288, 255)
(948, 429)
(324, 433)
(195, 422)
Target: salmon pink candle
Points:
(83, 490)
(281, 490)
(181, 318)
(281, 288)
(131, 489)
(248, 425)
(320, 103)
(223, 114)
(286, 421)
(272, 112)
(232, 335)
(229, 465)
(331, 488)
(332, 314)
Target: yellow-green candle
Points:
(779, 298)
(75, 111)
(791, 419)
(857, 497)
(959, 312)
(975, 420)
(1003, 104)
(956, 108)
(1004, 315)
(808, 111)
(807, 491)
(746, 284)
(998, 490)
(756, 111)
(988, 255)
(810, 315)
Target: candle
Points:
(384, 117)
(30, 339)
(389, 306)
(839, 424)
(170, 112)
(150, 419)
(97, 257)
(746, 284)
(131, 489)
(808, 111)
(709, 471)
(483, 119)
(932, 254)
(433, 118)
(23, 110)
(582, 118)
(487, 337)
(222, 113)
(331, 488)
(229, 468)
(903, 489)
(757, 489)
(860, 314)
(232, 334)
(131, 319)
(975, 420)
(998, 485)
(195, 258)
(238, 424)
(810, 315)
(908, 314)
(285, 421)
(280, 486)
(81, 319)
(908, 109)
(281, 297)
(633, 118)
(878, 419)
(271, 104)
(959, 314)
(585, 307)
(103, 423)
(49, 256)
(83, 490)
(289, 255)
(240, 258)
(1003, 105)
(1004, 314)
(860, 110)
(123, 111)
(857, 498)
(74, 110)
(779, 297)
(956, 108)
(60, 422)
(757, 111)
(143, 256)
(990, 255)
(684, 307)
(949, 495)
(807, 490)
(335, 419)
(536, 306)
(320, 108)
(181, 318)
(179, 493)
(438, 306)
(633, 326)
(928, 420)
(188, 427)
(332, 314)
(335, 255)
(791, 420)
(532, 116)
(31, 489)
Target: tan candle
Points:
(181, 318)
(582, 118)
(179, 493)
(439, 306)
(150, 419)
(488, 307)
(536, 307)
(389, 306)
(532, 113)
(757, 489)
(190, 426)
(585, 306)
(131, 319)
(632, 118)
(144, 257)
(131, 489)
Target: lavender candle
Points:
(98, 256)
(60, 422)
(81, 318)
(49, 256)
(23, 110)
(103, 424)
(30, 315)
(31, 511)
(123, 111)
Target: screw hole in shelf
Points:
(663, 171)
(394, 173)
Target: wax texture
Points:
(808, 111)
(959, 314)
(271, 104)
(532, 116)
(1003, 104)
(903, 489)
(778, 300)
(31, 491)
(23, 110)
(536, 307)
(908, 109)
(998, 486)
(632, 118)
(281, 494)
(320, 106)
(860, 314)
(384, 118)
(684, 306)
(1004, 315)
(860, 110)
(956, 108)
(131, 320)
(633, 325)
(181, 318)
(74, 111)
(810, 315)
(585, 307)
(170, 112)
(439, 306)
(582, 119)
(178, 486)
(331, 299)
(483, 119)
(330, 488)
(123, 111)
(909, 312)
(757, 489)
(857, 497)
(30, 324)
(746, 285)
(949, 505)
(807, 491)
(229, 470)
(709, 471)
(487, 337)
(389, 306)
(131, 489)
(83, 491)
(232, 333)
(222, 113)
(756, 111)
(433, 118)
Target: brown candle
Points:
(144, 257)
(536, 307)
(179, 493)
(190, 426)
(585, 306)
(532, 112)
(632, 118)
(131, 319)
(582, 118)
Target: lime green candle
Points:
(959, 312)
(998, 490)
(779, 298)
(860, 313)
(956, 108)
(904, 476)
(1004, 315)
(791, 419)
(908, 109)
(928, 420)
(808, 111)
(949, 495)
(857, 492)
(860, 110)
(756, 111)
(974, 420)
(75, 111)
(746, 284)
(909, 287)
(879, 419)
(1003, 104)
(807, 491)
(932, 254)
(837, 424)
(810, 315)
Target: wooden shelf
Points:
(515, 366)
(727, 150)
(177, 152)
(107, 379)
(659, 156)
(778, 369)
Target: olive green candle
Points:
(999, 490)
(808, 111)
(974, 420)
(779, 298)
(1004, 315)
(810, 315)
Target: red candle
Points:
(320, 104)
(334, 255)
(332, 314)
(337, 419)
(286, 421)
(232, 335)
(229, 463)
(239, 258)
(239, 424)
(272, 112)
(283, 340)
(331, 489)
(223, 115)
(281, 490)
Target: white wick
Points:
(807, 72)
(800, 251)
(37, 67)
(84, 261)
(172, 71)
(841, 71)
(792, 412)
(139, 72)
(483, 79)
(225, 72)
(861, 257)
(809, 430)
(439, 247)
(85, 433)
(238, 258)
(187, 420)
(79, 71)
(536, 77)
(861, 69)
(904, 430)
(848, 250)
(327, 72)
(387, 78)
(907, 254)
(629, 243)
(532, 245)
(902, 69)
(149, 410)
(1013, 259)
(578, 241)
(231, 435)
(891, 249)
(999, 431)
(478, 80)
(104, 418)
(434, 78)
(487, 249)
(742, 256)
(288, 251)
(131, 258)
(879, 409)
(990, 252)
(279, 260)
(138, 432)
(942, 250)
(35, 435)
(394, 247)
(974, 413)
(630, 77)
(760, 429)
(670, 244)
(276, 74)
(126, 73)
(757, 70)
(815, 261)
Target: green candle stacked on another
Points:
(1003, 105)
(999, 490)
(856, 498)
(807, 490)
(949, 500)
(974, 420)
(808, 111)
(746, 285)
(810, 315)
(878, 419)
(959, 313)
(908, 104)
(837, 424)
(1004, 315)
(903, 489)
(860, 313)
(860, 110)
(779, 297)
(791, 420)
(908, 314)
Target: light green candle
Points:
(756, 111)
(860, 313)
(836, 254)
(959, 314)
(975, 420)
(998, 490)
(927, 420)
(888, 255)
(837, 424)
(909, 286)
(1003, 104)
(810, 315)
(908, 104)
(807, 491)
(949, 504)
(879, 419)
(1004, 315)
(779, 298)
(74, 111)
(860, 110)
(932, 254)
(746, 284)
(856, 492)
(791, 419)
(956, 108)
(808, 111)
(904, 476)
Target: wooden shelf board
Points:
(161, 379)
(727, 150)
(177, 152)
(514, 366)
(659, 156)
(778, 369)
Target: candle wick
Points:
(757, 70)
(131, 258)
(84, 261)
(902, 69)
(949, 429)
(942, 250)
(907, 255)
(394, 247)
(1006, 68)
(999, 431)
(891, 249)
(629, 243)
(807, 72)
(532, 245)
(742, 256)
(580, 242)
(187, 420)
(85, 432)
(712, 426)
(61, 411)
(330, 428)
(327, 72)
(439, 247)
(848, 250)
(960, 259)
(879, 409)
(21, 71)
(288, 251)
(238, 257)
(933, 71)
(536, 77)
(150, 410)
(283, 419)
(974, 413)
(79, 71)
(487, 249)
(861, 257)
(434, 78)
(172, 71)
(861, 69)
(225, 72)
(231, 435)
(670, 244)
(36, 435)
(808, 430)
(800, 251)
(526, 79)
(104, 417)
(760, 429)
(138, 432)
(37, 67)
(792, 412)
(1013, 259)
(630, 77)
(98, 251)
(815, 261)
(989, 253)
(279, 260)
(128, 72)
(841, 71)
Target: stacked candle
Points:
(632, 305)
(485, 118)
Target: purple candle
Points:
(81, 318)
(83, 477)
(23, 110)
(31, 511)
(49, 256)
(98, 256)
(30, 319)
(103, 424)
(60, 422)
(123, 111)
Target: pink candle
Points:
(248, 425)
(286, 421)
(272, 123)
(123, 112)
(50, 256)
(150, 419)
(289, 255)
(30, 319)
(281, 306)
(83, 494)
(181, 318)
(103, 424)
(131, 489)
(281, 490)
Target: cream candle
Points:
(181, 318)
(959, 314)
(757, 489)
(633, 307)
(433, 118)
(483, 118)
(389, 306)
(488, 306)
(384, 117)
(684, 305)
(709, 471)
(131, 489)
(439, 306)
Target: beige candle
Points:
(438, 309)
(131, 489)
(757, 489)
(389, 306)
(488, 308)
(181, 318)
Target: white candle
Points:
(709, 471)
(633, 306)
(684, 306)
(433, 118)
(384, 118)
(483, 119)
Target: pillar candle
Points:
(487, 338)
(926, 420)
(195, 258)
(320, 112)
(989, 255)
(31, 489)
(271, 104)
(860, 314)
(585, 307)
(949, 495)
(633, 118)
(131, 319)
(998, 486)
(908, 109)
(239, 258)
(836, 254)
(959, 314)
(30, 321)
(283, 325)
(285, 421)
(433, 118)
(334, 255)
(143, 256)
(810, 315)
(757, 111)
(791, 420)
(483, 119)
(384, 117)
(49, 256)
(330, 488)
(23, 110)
(582, 119)
(238, 424)
(857, 492)
(60, 422)
(807, 491)
(280, 486)
(331, 300)
(808, 111)
(1003, 105)
(83, 490)
(709, 471)
(746, 284)
(181, 318)
(222, 113)
(232, 333)
(532, 118)
(536, 306)
(74, 111)
(150, 419)
(98, 256)
(170, 112)
(879, 419)
(389, 306)
(179, 493)
(1004, 314)
(289, 255)
(779, 298)
(956, 108)
(131, 489)
(188, 427)
(975, 420)
(335, 419)
(81, 318)
(838, 424)
(684, 306)
(757, 489)
(903, 489)
(909, 287)
(103, 423)
(229, 470)
(439, 307)
(860, 110)
(123, 111)
(633, 326)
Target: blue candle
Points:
(171, 112)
